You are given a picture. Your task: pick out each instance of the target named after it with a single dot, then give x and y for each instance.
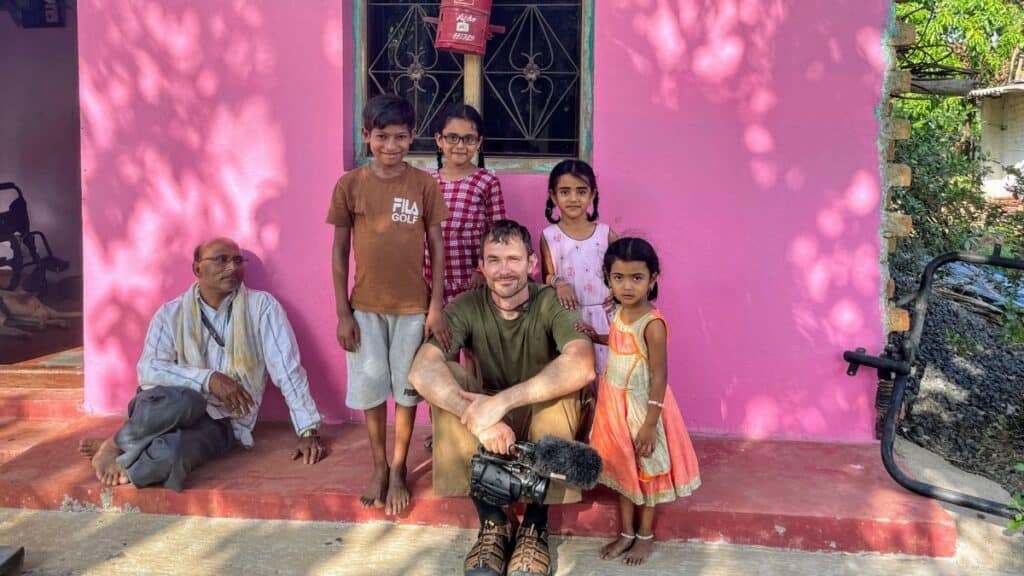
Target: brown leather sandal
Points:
(531, 556)
(489, 554)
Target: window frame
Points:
(497, 163)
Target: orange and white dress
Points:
(671, 471)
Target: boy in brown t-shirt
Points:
(386, 209)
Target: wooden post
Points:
(472, 81)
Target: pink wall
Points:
(738, 136)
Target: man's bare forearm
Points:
(431, 377)
(570, 371)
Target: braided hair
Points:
(573, 167)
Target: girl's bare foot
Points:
(616, 547)
(104, 462)
(88, 447)
(640, 551)
(374, 494)
(398, 493)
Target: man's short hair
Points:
(503, 231)
(197, 254)
(386, 110)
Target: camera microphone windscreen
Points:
(573, 462)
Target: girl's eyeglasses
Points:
(467, 139)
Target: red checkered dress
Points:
(474, 202)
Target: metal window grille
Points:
(531, 87)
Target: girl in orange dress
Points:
(638, 430)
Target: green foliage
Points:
(1017, 188)
(962, 343)
(945, 198)
(1012, 330)
(963, 37)
(1017, 504)
(979, 35)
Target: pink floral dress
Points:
(579, 262)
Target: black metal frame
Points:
(16, 231)
(899, 361)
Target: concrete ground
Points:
(114, 544)
(84, 540)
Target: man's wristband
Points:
(310, 433)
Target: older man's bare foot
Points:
(104, 462)
(375, 492)
(640, 552)
(398, 493)
(616, 547)
(88, 447)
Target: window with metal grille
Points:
(532, 85)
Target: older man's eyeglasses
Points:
(467, 139)
(223, 259)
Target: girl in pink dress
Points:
(572, 247)
(638, 430)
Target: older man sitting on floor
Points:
(201, 379)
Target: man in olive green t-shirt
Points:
(533, 366)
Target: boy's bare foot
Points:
(616, 547)
(104, 462)
(398, 493)
(88, 447)
(640, 552)
(374, 494)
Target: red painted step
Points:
(41, 403)
(17, 436)
(58, 370)
(799, 495)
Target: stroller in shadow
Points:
(17, 237)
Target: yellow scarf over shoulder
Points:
(239, 341)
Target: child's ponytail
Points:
(549, 211)
(440, 159)
(592, 217)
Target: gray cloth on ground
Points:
(167, 435)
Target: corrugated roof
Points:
(996, 90)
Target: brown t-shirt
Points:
(389, 219)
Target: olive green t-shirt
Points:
(510, 351)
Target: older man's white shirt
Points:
(278, 355)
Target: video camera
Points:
(500, 480)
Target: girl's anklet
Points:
(627, 536)
(642, 537)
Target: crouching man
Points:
(533, 365)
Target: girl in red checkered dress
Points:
(472, 193)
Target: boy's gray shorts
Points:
(380, 366)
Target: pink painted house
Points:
(739, 136)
